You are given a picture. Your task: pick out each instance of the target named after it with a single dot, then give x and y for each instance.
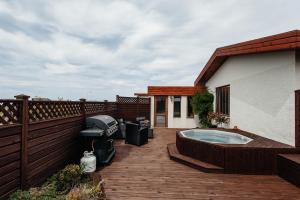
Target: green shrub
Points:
(46, 192)
(87, 192)
(20, 195)
(202, 105)
(71, 178)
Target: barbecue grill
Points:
(98, 135)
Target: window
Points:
(223, 99)
(160, 104)
(190, 107)
(177, 106)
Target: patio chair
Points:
(143, 122)
(135, 134)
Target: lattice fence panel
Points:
(108, 108)
(10, 112)
(94, 107)
(111, 106)
(126, 100)
(144, 100)
(46, 110)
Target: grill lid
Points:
(100, 121)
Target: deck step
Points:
(194, 163)
(289, 167)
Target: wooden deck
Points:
(147, 173)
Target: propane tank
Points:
(88, 162)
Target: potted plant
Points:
(218, 119)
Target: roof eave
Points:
(284, 41)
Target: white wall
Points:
(297, 74)
(183, 121)
(152, 111)
(261, 93)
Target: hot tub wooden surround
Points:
(289, 167)
(255, 157)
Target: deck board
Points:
(147, 172)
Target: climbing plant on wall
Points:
(202, 106)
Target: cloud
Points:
(97, 49)
(64, 68)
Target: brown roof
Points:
(284, 41)
(172, 90)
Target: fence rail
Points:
(39, 137)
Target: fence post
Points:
(138, 106)
(82, 108)
(24, 138)
(117, 105)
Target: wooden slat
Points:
(9, 187)
(12, 175)
(4, 141)
(9, 149)
(53, 129)
(10, 130)
(8, 158)
(54, 122)
(62, 156)
(54, 136)
(41, 145)
(10, 167)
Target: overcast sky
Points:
(97, 49)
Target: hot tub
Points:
(215, 136)
(234, 150)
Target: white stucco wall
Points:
(261, 93)
(297, 74)
(152, 111)
(183, 121)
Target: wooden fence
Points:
(131, 107)
(39, 137)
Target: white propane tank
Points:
(88, 162)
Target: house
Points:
(171, 106)
(256, 83)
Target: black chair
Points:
(135, 134)
(145, 123)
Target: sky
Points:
(98, 49)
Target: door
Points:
(161, 111)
